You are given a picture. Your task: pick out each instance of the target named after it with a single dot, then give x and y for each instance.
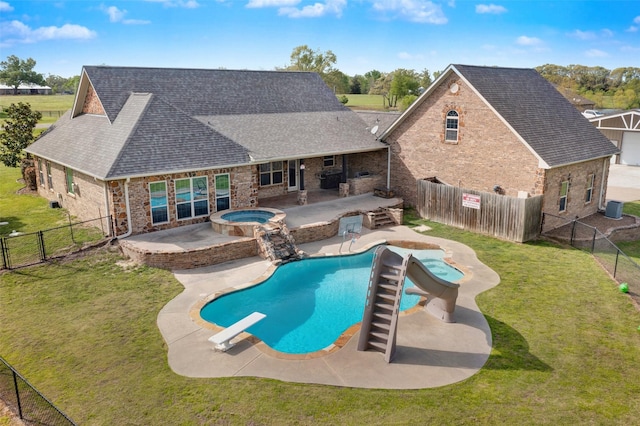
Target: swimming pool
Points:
(310, 303)
(260, 216)
(243, 221)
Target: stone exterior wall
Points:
(92, 104)
(366, 184)
(243, 194)
(487, 152)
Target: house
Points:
(502, 130)
(623, 130)
(25, 89)
(159, 148)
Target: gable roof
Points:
(160, 120)
(553, 129)
(625, 120)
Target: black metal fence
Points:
(588, 238)
(26, 402)
(19, 250)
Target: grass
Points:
(565, 349)
(631, 248)
(374, 102)
(25, 213)
(51, 106)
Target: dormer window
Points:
(451, 127)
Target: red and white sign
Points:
(471, 201)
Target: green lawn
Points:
(374, 102)
(566, 349)
(51, 106)
(25, 213)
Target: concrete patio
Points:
(429, 353)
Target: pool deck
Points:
(429, 352)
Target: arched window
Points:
(451, 127)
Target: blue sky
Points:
(62, 36)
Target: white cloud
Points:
(271, 3)
(528, 41)
(490, 8)
(595, 53)
(117, 15)
(421, 11)
(187, 4)
(409, 57)
(636, 20)
(583, 35)
(329, 7)
(5, 7)
(18, 32)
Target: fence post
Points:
(573, 232)
(593, 241)
(5, 253)
(615, 267)
(71, 228)
(43, 252)
(15, 385)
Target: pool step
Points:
(380, 218)
(380, 318)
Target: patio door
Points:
(294, 174)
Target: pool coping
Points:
(446, 353)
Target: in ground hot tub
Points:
(240, 223)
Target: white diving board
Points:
(222, 339)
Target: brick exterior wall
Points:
(577, 175)
(89, 199)
(487, 154)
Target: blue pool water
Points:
(260, 216)
(310, 303)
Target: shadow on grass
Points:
(13, 224)
(510, 352)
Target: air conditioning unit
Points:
(614, 209)
(54, 204)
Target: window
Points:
(192, 197)
(49, 177)
(564, 191)
(40, 173)
(159, 205)
(271, 173)
(589, 193)
(329, 161)
(223, 193)
(451, 127)
(69, 178)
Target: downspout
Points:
(106, 201)
(388, 167)
(604, 168)
(126, 201)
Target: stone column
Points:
(302, 197)
(344, 189)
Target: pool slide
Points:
(426, 283)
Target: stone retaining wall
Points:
(196, 258)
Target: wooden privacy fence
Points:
(510, 218)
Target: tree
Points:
(18, 133)
(15, 71)
(305, 59)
